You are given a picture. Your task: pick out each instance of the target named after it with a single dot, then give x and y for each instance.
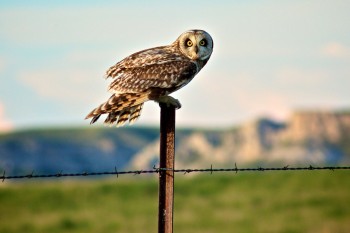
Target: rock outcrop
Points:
(308, 137)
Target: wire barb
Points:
(138, 172)
(188, 171)
(59, 174)
(156, 169)
(30, 175)
(3, 176)
(116, 171)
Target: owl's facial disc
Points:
(196, 44)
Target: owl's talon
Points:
(169, 101)
(176, 103)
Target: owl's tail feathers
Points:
(127, 115)
(120, 108)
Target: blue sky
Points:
(270, 57)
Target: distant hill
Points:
(72, 149)
(311, 137)
(308, 137)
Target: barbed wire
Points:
(210, 170)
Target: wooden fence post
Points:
(166, 173)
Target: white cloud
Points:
(336, 49)
(5, 124)
(254, 98)
(230, 97)
(312, 87)
(292, 76)
(72, 85)
(73, 78)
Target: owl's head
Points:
(195, 44)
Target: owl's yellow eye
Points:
(189, 43)
(203, 42)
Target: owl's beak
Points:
(195, 54)
(196, 49)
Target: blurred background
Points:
(275, 92)
(275, 89)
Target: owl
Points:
(153, 74)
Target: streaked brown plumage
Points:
(153, 74)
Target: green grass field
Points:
(309, 201)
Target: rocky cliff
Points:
(308, 137)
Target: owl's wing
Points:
(151, 68)
(140, 59)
